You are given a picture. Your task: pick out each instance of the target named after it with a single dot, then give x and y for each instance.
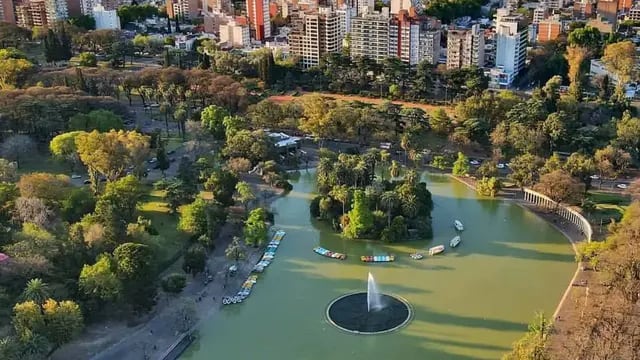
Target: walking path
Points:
(164, 327)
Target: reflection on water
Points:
(470, 302)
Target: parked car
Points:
(152, 160)
(474, 162)
(76, 176)
(500, 166)
(594, 177)
(622, 186)
(87, 182)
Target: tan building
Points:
(549, 29)
(6, 11)
(313, 35)
(583, 9)
(608, 10)
(32, 13)
(465, 48)
(601, 24)
(235, 34)
(184, 9)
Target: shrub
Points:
(314, 206)
(174, 283)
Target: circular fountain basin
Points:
(351, 313)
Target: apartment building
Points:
(259, 20)
(633, 14)
(32, 13)
(511, 48)
(184, 9)
(540, 13)
(314, 34)
(370, 35)
(625, 5)
(235, 34)
(465, 48)
(549, 29)
(7, 13)
(583, 9)
(105, 19)
(608, 10)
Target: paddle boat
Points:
(416, 256)
(328, 253)
(378, 258)
(436, 250)
(455, 241)
(458, 225)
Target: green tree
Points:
(341, 193)
(525, 169)
(36, 291)
(389, 200)
(489, 186)
(63, 320)
(533, 345)
(360, 217)
(64, 147)
(440, 162)
(88, 59)
(135, 268)
(222, 184)
(101, 120)
(235, 251)
(487, 169)
(162, 159)
(245, 194)
(193, 218)
(628, 133)
(553, 163)
(395, 169)
(13, 67)
(174, 283)
(620, 59)
(440, 122)
(255, 228)
(461, 165)
(212, 119)
(580, 166)
(28, 319)
(195, 259)
(99, 281)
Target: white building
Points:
(465, 48)
(370, 35)
(540, 13)
(314, 34)
(414, 39)
(345, 14)
(105, 19)
(511, 48)
(235, 34)
(86, 6)
(597, 68)
(364, 6)
(56, 10)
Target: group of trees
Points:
(362, 206)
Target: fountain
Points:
(374, 301)
(370, 312)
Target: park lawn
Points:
(43, 162)
(172, 241)
(609, 205)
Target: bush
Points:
(314, 206)
(174, 283)
(88, 59)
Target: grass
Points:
(41, 162)
(609, 206)
(171, 240)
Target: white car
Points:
(622, 186)
(594, 177)
(500, 166)
(76, 176)
(474, 162)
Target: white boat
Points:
(416, 256)
(436, 250)
(458, 225)
(455, 241)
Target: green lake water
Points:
(471, 302)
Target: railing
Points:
(570, 215)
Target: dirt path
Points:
(160, 329)
(426, 107)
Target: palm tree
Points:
(410, 205)
(389, 200)
(340, 193)
(36, 291)
(410, 177)
(394, 169)
(405, 144)
(325, 166)
(373, 192)
(359, 170)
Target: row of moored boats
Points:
(265, 261)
